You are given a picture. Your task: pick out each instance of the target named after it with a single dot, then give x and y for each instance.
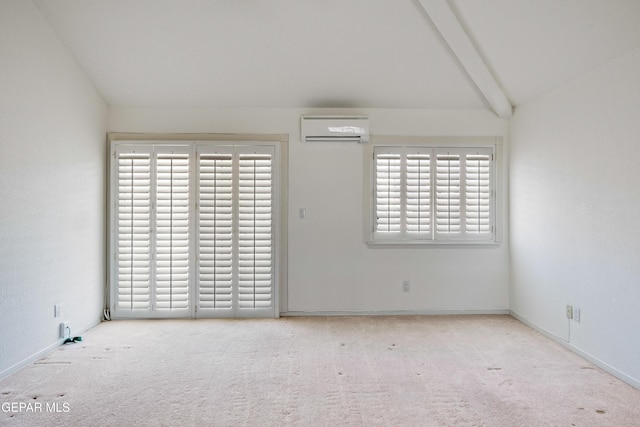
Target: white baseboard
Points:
(393, 313)
(25, 362)
(599, 363)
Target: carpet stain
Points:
(600, 411)
(587, 367)
(494, 369)
(5, 393)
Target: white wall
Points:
(575, 213)
(52, 186)
(330, 268)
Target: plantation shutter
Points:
(193, 230)
(388, 191)
(172, 231)
(152, 231)
(418, 193)
(426, 194)
(235, 231)
(255, 230)
(464, 194)
(448, 195)
(133, 230)
(215, 247)
(478, 219)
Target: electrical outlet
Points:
(65, 330)
(569, 311)
(56, 310)
(576, 314)
(406, 286)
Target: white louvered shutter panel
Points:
(428, 193)
(215, 238)
(255, 230)
(448, 194)
(388, 191)
(478, 201)
(221, 257)
(172, 231)
(418, 193)
(133, 224)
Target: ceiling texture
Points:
(459, 54)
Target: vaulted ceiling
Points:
(337, 53)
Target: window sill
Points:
(454, 244)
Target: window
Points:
(425, 192)
(193, 229)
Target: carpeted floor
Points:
(316, 371)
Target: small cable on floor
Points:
(70, 339)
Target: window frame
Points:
(408, 144)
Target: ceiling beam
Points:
(449, 26)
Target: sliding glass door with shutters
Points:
(152, 244)
(193, 230)
(235, 231)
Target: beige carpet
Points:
(395, 371)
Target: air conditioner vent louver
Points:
(334, 129)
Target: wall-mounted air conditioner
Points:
(334, 128)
